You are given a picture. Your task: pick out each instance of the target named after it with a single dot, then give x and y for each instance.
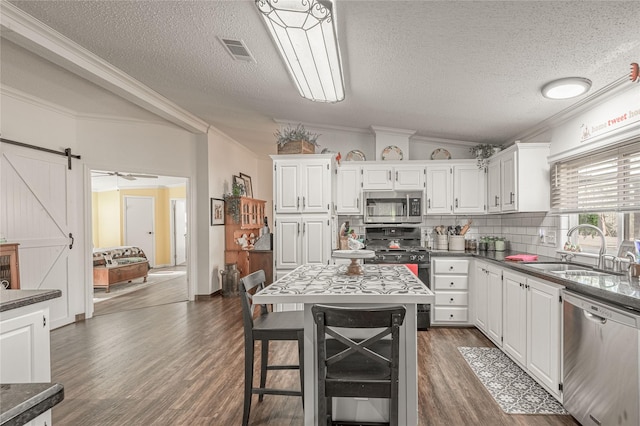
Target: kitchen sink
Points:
(580, 273)
(558, 267)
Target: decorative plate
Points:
(355, 155)
(440, 154)
(392, 152)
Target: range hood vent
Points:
(237, 49)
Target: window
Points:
(617, 227)
(607, 180)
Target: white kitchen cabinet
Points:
(487, 287)
(457, 188)
(469, 189)
(393, 177)
(302, 239)
(543, 333)
(302, 184)
(439, 191)
(349, 189)
(450, 285)
(518, 179)
(531, 325)
(24, 345)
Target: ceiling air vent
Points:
(237, 49)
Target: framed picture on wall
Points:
(248, 187)
(217, 211)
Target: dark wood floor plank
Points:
(183, 364)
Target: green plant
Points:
(289, 134)
(482, 152)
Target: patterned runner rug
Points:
(514, 391)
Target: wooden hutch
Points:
(251, 213)
(9, 272)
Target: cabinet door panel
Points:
(493, 186)
(481, 296)
(287, 190)
(24, 348)
(315, 240)
(469, 189)
(543, 331)
(438, 190)
(348, 190)
(515, 318)
(316, 186)
(409, 178)
(509, 183)
(376, 177)
(494, 308)
(287, 249)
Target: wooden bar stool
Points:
(265, 327)
(357, 367)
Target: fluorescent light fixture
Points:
(305, 34)
(566, 88)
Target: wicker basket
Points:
(297, 147)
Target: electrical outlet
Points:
(550, 238)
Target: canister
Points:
(456, 243)
(500, 245)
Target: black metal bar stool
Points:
(265, 327)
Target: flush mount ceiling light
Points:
(305, 34)
(566, 88)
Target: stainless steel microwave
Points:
(393, 207)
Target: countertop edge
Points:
(38, 401)
(26, 298)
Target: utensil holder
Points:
(442, 242)
(456, 243)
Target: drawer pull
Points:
(451, 300)
(451, 316)
(451, 268)
(452, 284)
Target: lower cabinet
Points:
(24, 345)
(532, 328)
(450, 285)
(488, 301)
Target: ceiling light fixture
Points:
(566, 88)
(305, 34)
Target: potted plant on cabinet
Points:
(296, 140)
(482, 152)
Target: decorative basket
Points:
(297, 147)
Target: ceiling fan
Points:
(126, 176)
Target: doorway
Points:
(147, 212)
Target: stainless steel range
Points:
(401, 244)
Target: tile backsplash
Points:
(525, 232)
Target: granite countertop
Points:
(23, 402)
(613, 288)
(13, 299)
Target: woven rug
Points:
(512, 388)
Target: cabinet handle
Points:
(451, 285)
(298, 202)
(389, 174)
(456, 203)
(304, 202)
(451, 300)
(396, 176)
(358, 203)
(496, 201)
(450, 316)
(298, 229)
(451, 268)
(428, 203)
(521, 285)
(511, 194)
(304, 227)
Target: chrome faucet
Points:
(632, 261)
(603, 243)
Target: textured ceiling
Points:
(463, 70)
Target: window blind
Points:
(605, 180)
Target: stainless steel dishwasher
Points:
(601, 383)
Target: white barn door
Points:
(179, 231)
(38, 195)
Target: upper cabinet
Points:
(302, 184)
(455, 188)
(349, 189)
(518, 179)
(397, 177)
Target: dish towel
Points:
(523, 257)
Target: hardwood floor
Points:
(182, 364)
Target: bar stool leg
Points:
(264, 361)
(248, 380)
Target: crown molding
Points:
(31, 34)
(38, 102)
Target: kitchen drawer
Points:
(450, 266)
(451, 314)
(452, 298)
(450, 282)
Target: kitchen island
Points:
(379, 285)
